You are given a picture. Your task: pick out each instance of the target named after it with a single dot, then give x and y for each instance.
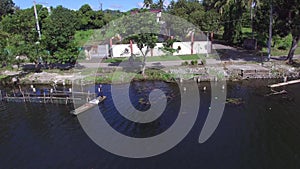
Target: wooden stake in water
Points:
(44, 97)
(1, 95)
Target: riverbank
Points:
(211, 71)
(226, 63)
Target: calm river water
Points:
(264, 132)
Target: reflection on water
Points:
(264, 132)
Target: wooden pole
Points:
(44, 97)
(270, 32)
(192, 43)
(37, 20)
(285, 83)
(110, 44)
(131, 48)
(22, 92)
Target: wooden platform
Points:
(285, 83)
(87, 106)
(41, 99)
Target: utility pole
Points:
(37, 21)
(100, 5)
(270, 31)
(251, 14)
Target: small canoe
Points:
(88, 106)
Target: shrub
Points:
(194, 62)
(283, 43)
(203, 61)
(185, 63)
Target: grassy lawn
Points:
(247, 33)
(159, 58)
(3, 77)
(81, 37)
(174, 58)
(277, 52)
(125, 77)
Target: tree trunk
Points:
(144, 61)
(144, 65)
(151, 52)
(293, 48)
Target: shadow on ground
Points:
(240, 55)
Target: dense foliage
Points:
(61, 27)
(19, 36)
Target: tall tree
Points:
(145, 40)
(231, 12)
(287, 19)
(58, 34)
(23, 35)
(195, 13)
(232, 21)
(161, 4)
(6, 7)
(90, 19)
(147, 3)
(143, 29)
(3, 51)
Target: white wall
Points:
(199, 48)
(118, 50)
(185, 48)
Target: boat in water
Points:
(88, 105)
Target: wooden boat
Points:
(88, 106)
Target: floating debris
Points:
(277, 92)
(142, 101)
(234, 101)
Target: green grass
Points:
(247, 33)
(282, 44)
(158, 58)
(82, 37)
(174, 58)
(92, 36)
(277, 52)
(125, 77)
(3, 77)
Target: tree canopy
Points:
(18, 32)
(19, 37)
(143, 29)
(6, 7)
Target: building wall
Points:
(200, 47)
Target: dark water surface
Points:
(264, 132)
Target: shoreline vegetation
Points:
(190, 67)
(197, 72)
(20, 44)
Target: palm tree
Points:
(222, 4)
(147, 3)
(231, 10)
(161, 4)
